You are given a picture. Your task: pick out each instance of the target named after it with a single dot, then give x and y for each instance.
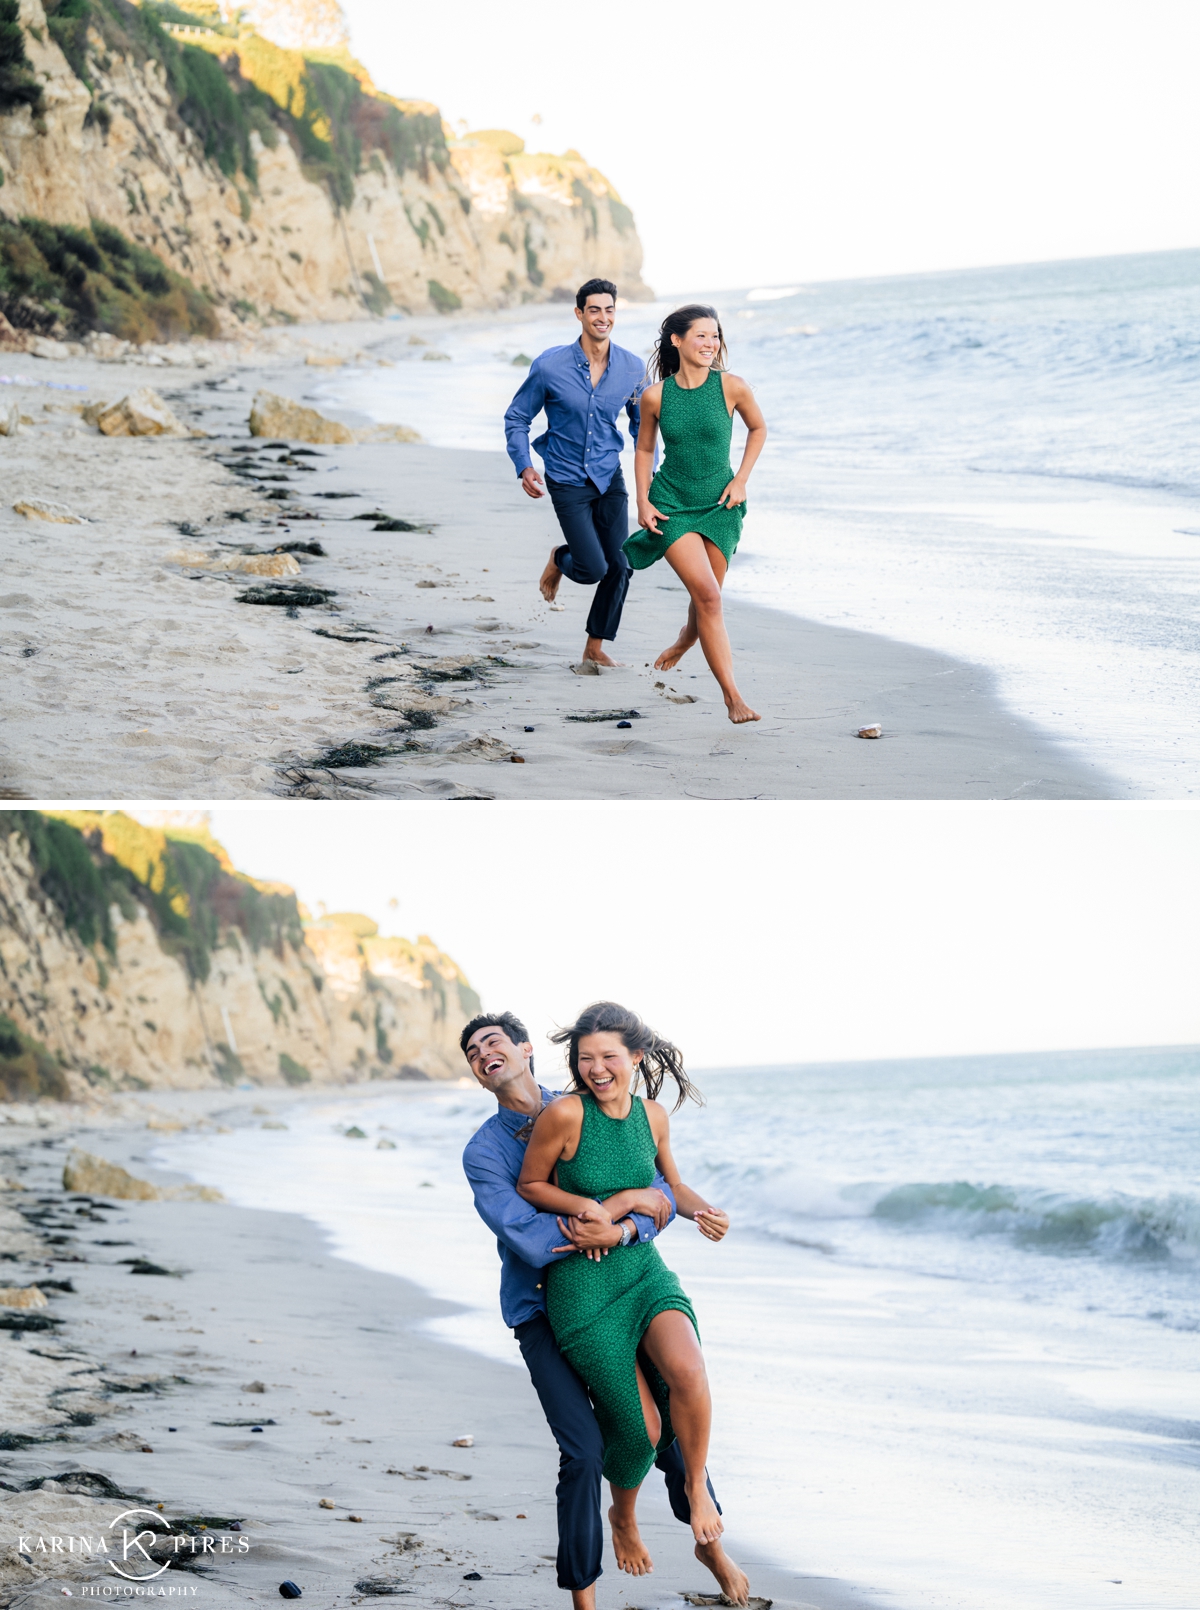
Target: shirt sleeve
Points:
(525, 1231)
(646, 1227)
(634, 410)
(520, 415)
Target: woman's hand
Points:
(651, 1202)
(649, 516)
(593, 1234)
(711, 1222)
(733, 494)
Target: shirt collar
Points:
(517, 1120)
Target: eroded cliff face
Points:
(341, 1003)
(427, 226)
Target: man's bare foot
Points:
(707, 1525)
(594, 650)
(670, 657)
(551, 577)
(739, 710)
(632, 1554)
(730, 1577)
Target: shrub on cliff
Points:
(28, 1070)
(56, 276)
(87, 862)
(18, 86)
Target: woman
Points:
(695, 492)
(623, 1321)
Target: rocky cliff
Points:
(137, 958)
(280, 182)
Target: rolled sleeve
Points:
(511, 1219)
(646, 1228)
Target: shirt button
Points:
(538, 1287)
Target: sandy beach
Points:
(147, 1391)
(133, 671)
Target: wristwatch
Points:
(628, 1231)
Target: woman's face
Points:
(701, 344)
(606, 1067)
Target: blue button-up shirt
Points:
(525, 1238)
(583, 439)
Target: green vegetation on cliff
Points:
(87, 862)
(28, 1071)
(18, 86)
(61, 278)
(229, 83)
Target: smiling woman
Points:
(607, 1311)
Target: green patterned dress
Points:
(697, 429)
(599, 1311)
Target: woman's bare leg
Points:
(689, 636)
(700, 566)
(670, 1341)
(632, 1554)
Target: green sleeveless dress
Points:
(599, 1311)
(697, 429)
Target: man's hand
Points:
(592, 1234)
(651, 1203)
(532, 483)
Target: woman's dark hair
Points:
(664, 357)
(660, 1058)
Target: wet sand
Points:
(360, 1407)
(131, 674)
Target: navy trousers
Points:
(569, 1414)
(596, 526)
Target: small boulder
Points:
(95, 1176)
(44, 509)
(10, 420)
(387, 433)
(272, 415)
(22, 1297)
(142, 413)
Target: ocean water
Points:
(998, 463)
(953, 1333)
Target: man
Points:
(500, 1055)
(583, 388)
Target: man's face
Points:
(597, 315)
(494, 1059)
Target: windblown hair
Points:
(664, 357)
(660, 1059)
(511, 1024)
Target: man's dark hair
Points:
(594, 288)
(512, 1026)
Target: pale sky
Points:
(766, 143)
(774, 934)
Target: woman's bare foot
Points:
(594, 650)
(732, 1579)
(670, 657)
(707, 1525)
(739, 710)
(632, 1554)
(551, 577)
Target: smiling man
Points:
(583, 387)
(498, 1050)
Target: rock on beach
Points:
(141, 413)
(95, 1176)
